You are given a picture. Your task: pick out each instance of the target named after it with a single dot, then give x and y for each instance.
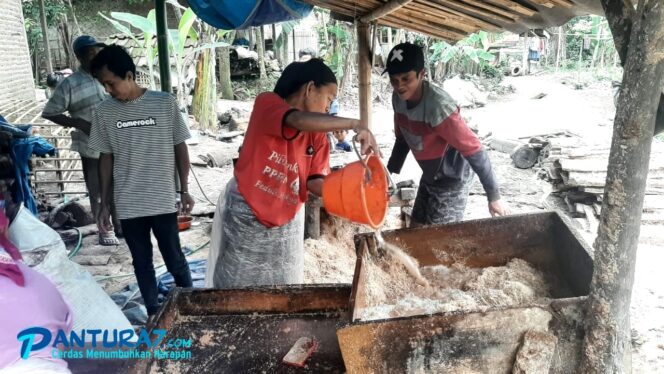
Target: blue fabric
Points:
(233, 14)
(165, 282)
(22, 149)
(343, 146)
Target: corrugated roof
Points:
(452, 20)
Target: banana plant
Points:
(176, 39)
(471, 49)
(149, 28)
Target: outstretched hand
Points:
(497, 208)
(368, 142)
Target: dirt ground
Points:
(587, 112)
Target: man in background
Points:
(78, 95)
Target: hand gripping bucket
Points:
(358, 192)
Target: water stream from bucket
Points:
(401, 256)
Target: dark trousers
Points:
(137, 235)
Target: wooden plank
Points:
(463, 17)
(384, 10)
(488, 8)
(453, 20)
(515, 7)
(564, 3)
(437, 17)
(425, 24)
(473, 11)
(544, 3)
(416, 28)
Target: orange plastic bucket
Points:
(347, 193)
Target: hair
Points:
(297, 74)
(53, 79)
(116, 59)
(307, 51)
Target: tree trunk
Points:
(261, 52)
(347, 63)
(607, 340)
(226, 87)
(559, 46)
(284, 49)
(73, 15)
(596, 52)
(276, 51)
(44, 27)
(620, 18)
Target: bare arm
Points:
(182, 164)
(319, 122)
(67, 121)
(105, 177)
(315, 186)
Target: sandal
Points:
(108, 239)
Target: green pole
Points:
(162, 45)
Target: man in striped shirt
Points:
(141, 136)
(428, 123)
(78, 95)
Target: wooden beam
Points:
(544, 3)
(409, 19)
(402, 25)
(489, 8)
(437, 16)
(564, 3)
(473, 11)
(384, 10)
(462, 17)
(364, 55)
(515, 7)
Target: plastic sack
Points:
(165, 282)
(249, 254)
(30, 234)
(91, 307)
(215, 238)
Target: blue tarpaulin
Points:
(238, 15)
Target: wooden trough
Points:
(486, 340)
(251, 330)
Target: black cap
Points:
(405, 57)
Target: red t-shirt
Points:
(276, 162)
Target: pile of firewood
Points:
(578, 171)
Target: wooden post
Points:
(260, 51)
(389, 37)
(607, 345)
(524, 61)
(364, 62)
(560, 46)
(162, 46)
(44, 27)
(294, 49)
